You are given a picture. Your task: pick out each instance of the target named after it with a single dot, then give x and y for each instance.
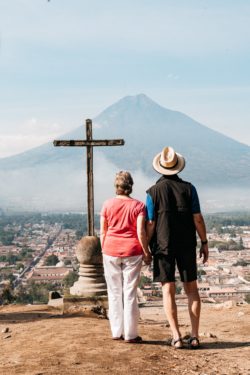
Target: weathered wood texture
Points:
(90, 180)
(79, 143)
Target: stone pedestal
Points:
(91, 282)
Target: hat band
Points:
(169, 167)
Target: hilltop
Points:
(42, 342)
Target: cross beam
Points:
(89, 143)
(80, 143)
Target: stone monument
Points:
(91, 281)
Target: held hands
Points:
(204, 253)
(147, 258)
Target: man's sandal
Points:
(178, 341)
(193, 343)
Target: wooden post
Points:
(90, 180)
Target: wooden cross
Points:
(90, 143)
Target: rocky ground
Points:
(36, 340)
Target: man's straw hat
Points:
(168, 162)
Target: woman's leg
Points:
(113, 276)
(131, 267)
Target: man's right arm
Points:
(150, 228)
(150, 218)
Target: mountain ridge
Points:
(212, 159)
(125, 100)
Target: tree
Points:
(6, 296)
(69, 280)
(144, 280)
(67, 262)
(79, 234)
(20, 266)
(178, 289)
(22, 295)
(241, 246)
(11, 258)
(241, 262)
(222, 246)
(39, 292)
(6, 237)
(51, 260)
(201, 272)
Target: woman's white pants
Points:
(122, 276)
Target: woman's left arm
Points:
(103, 229)
(142, 237)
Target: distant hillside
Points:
(212, 160)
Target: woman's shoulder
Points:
(109, 201)
(138, 203)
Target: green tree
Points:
(178, 289)
(79, 234)
(22, 295)
(11, 258)
(241, 246)
(6, 237)
(222, 246)
(51, 260)
(67, 262)
(39, 292)
(241, 262)
(20, 266)
(200, 273)
(6, 296)
(69, 280)
(144, 280)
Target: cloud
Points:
(29, 134)
(40, 128)
(15, 144)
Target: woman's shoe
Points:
(118, 338)
(136, 340)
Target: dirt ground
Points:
(42, 342)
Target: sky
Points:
(62, 61)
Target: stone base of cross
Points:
(91, 280)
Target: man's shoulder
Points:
(184, 182)
(168, 184)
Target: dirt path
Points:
(40, 344)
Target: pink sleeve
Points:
(142, 210)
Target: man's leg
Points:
(170, 308)
(194, 307)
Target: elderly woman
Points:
(124, 246)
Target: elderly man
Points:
(173, 217)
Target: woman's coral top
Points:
(121, 215)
